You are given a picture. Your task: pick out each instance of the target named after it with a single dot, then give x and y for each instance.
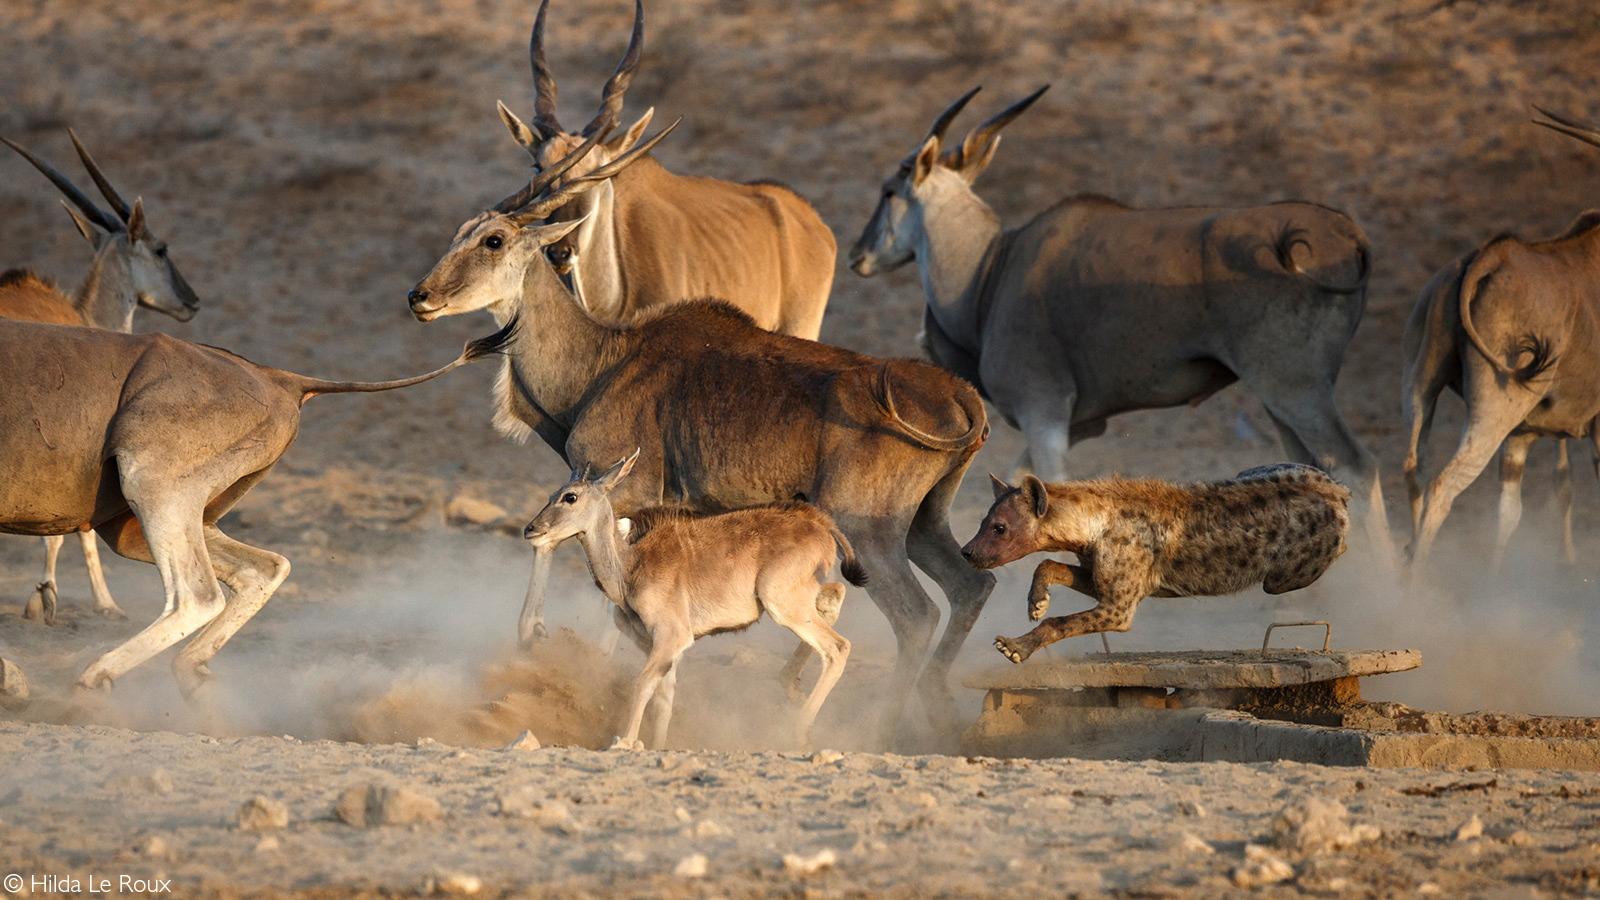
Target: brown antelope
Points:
(149, 440)
(731, 416)
(677, 577)
(1279, 526)
(130, 269)
(650, 237)
(1514, 328)
(1093, 308)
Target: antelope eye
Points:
(998, 528)
(569, 498)
(161, 252)
(493, 242)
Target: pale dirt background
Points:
(309, 160)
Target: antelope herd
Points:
(639, 310)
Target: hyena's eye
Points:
(998, 528)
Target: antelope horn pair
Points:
(544, 83)
(1586, 133)
(973, 143)
(95, 214)
(536, 201)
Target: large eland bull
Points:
(1094, 308)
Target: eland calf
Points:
(130, 269)
(1094, 308)
(677, 577)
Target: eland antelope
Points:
(731, 416)
(130, 269)
(149, 440)
(1514, 328)
(650, 237)
(1094, 308)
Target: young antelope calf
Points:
(1279, 526)
(676, 577)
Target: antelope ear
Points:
(620, 145)
(136, 228)
(999, 485)
(609, 478)
(927, 158)
(545, 235)
(84, 228)
(1034, 490)
(520, 133)
(972, 168)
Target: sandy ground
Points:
(308, 162)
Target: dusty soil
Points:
(309, 160)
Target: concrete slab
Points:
(1194, 670)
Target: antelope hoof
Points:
(792, 689)
(1012, 650)
(93, 680)
(113, 612)
(191, 678)
(42, 605)
(619, 743)
(536, 635)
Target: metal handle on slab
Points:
(1327, 634)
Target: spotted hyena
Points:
(1278, 526)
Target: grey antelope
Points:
(649, 237)
(130, 269)
(1093, 308)
(149, 440)
(731, 416)
(1514, 328)
(1279, 526)
(677, 577)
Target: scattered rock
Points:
(13, 685)
(682, 815)
(1189, 808)
(704, 829)
(156, 782)
(268, 844)
(691, 866)
(261, 814)
(1317, 824)
(154, 845)
(826, 757)
(1261, 867)
(1516, 837)
(795, 864)
(472, 511)
(1466, 831)
(523, 741)
(373, 804)
(452, 883)
(1189, 842)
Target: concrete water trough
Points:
(1252, 706)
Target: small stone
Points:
(1189, 808)
(153, 845)
(261, 814)
(1189, 842)
(691, 866)
(13, 685)
(926, 799)
(682, 815)
(372, 804)
(704, 829)
(268, 844)
(825, 757)
(526, 803)
(453, 883)
(472, 511)
(1316, 824)
(1517, 838)
(1429, 889)
(1261, 868)
(523, 741)
(1466, 831)
(795, 864)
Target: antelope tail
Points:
(1283, 249)
(474, 351)
(1541, 354)
(849, 567)
(973, 407)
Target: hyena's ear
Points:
(1034, 492)
(999, 485)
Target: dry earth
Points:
(308, 161)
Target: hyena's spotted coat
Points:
(1278, 526)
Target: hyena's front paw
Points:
(1038, 603)
(1013, 649)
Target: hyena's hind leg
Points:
(829, 601)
